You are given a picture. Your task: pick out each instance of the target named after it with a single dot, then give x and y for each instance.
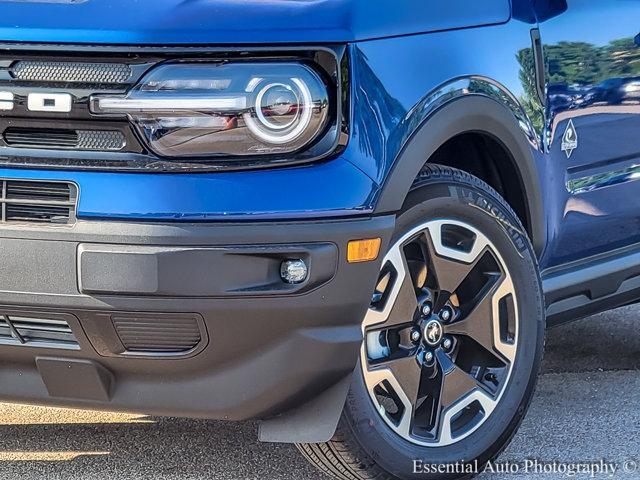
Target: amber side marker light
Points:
(363, 250)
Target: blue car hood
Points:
(224, 22)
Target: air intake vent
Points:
(42, 202)
(157, 335)
(96, 140)
(36, 332)
(72, 72)
(33, 137)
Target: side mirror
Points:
(547, 9)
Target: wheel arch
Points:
(471, 114)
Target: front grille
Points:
(73, 72)
(98, 140)
(157, 334)
(33, 137)
(35, 201)
(103, 140)
(37, 137)
(36, 332)
(20, 189)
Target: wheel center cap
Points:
(432, 332)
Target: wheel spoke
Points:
(404, 376)
(402, 302)
(482, 323)
(406, 303)
(478, 324)
(449, 267)
(458, 391)
(456, 383)
(408, 372)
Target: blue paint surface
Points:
(163, 22)
(301, 192)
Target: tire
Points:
(374, 439)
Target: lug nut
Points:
(445, 314)
(415, 336)
(447, 343)
(428, 357)
(426, 310)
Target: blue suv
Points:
(351, 220)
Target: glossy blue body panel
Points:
(233, 22)
(594, 81)
(389, 107)
(407, 60)
(297, 192)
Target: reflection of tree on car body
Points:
(583, 74)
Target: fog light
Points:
(294, 271)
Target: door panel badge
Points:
(569, 139)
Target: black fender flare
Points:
(472, 113)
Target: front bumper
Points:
(264, 347)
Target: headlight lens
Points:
(230, 109)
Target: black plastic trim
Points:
(313, 422)
(105, 338)
(592, 286)
(72, 378)
(468, 114)
(538, 56)
(6, 124)
(65, 205)
(179, 271)
(267, 356)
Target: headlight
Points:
(232, 109)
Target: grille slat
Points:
(41, 190)
(40, 138)
(36, 213)
(37, 328)
(157, 335)
(36, 332)
(16, 190)
(41, 202)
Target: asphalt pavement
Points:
(586, 410)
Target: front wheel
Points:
(453, 340)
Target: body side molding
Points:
(598, 284)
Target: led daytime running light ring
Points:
(261, 115)
(304, 121)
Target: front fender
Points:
(462, 114)
(411, 94)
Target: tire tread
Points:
(341, 457)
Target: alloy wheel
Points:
(441, 333)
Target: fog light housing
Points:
(294, 271)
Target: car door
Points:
(592, 124)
